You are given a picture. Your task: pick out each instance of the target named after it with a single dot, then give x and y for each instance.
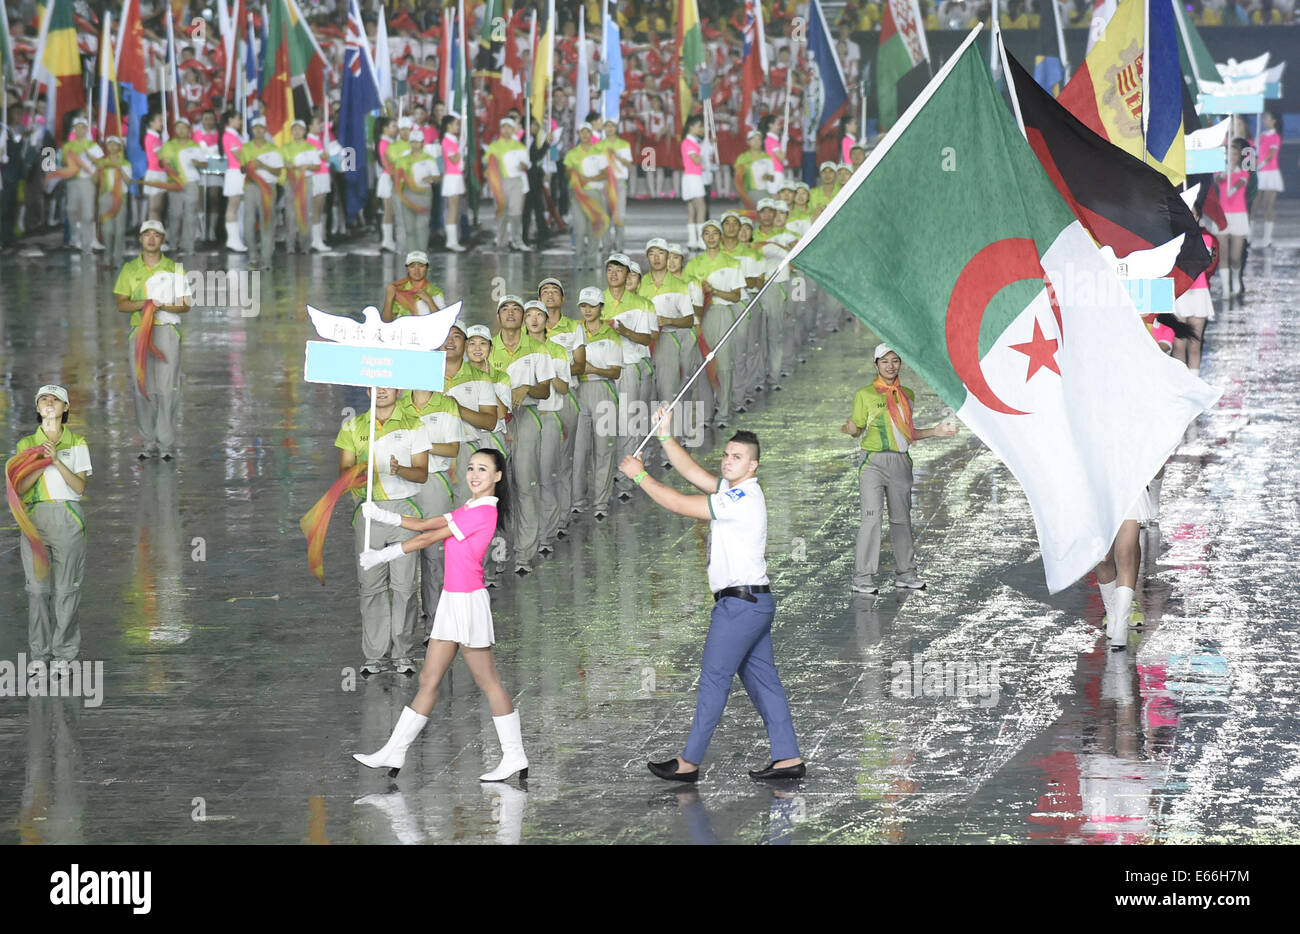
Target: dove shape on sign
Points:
(409, 332)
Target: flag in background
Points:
(488, 49)
(1102, 11)
(7, 71)
(689, 55)
(384, 62)
(1051, 64)
(57, 64)
(902, 48)
(582, 105)
(753, 67)
(277, 92)
(991, 290)
(133, 85)
(507, 90)
(360, 97)
(110, 107)
(543, 68)
(252, 76)
(611, 67)
(1106, 93)
(835, 96)
(1194, 58)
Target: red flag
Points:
(277, 94)
(508, 90)
(753, 68)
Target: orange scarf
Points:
(18, 468)
(316, 523)
(495, 183)
(400, 184)
(595, 213)
(268, 193)
(410, 298)
(144, 345)
(298, 185)
(611, 191)
(900, 407)
(115, 205)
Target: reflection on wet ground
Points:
(979, 710)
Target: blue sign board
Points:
(395, 368)
(1152, 296)
(1230, 103)
(1206, 161)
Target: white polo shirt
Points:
(737, 535)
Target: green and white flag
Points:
(952, 243)
(7, 73)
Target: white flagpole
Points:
(528, 98)
(1011, 83)
(1060, 41)
(174, 75)
(370, 465)
(103, 88)
(550, 68)
(1146, 75)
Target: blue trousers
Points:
(740, 642)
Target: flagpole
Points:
(604, 50)
(1187, 43)
(1060, 39)
(370, 465)
(1011, 81)
(532, 71)
(103, 90)
(550, 67)
(174, 73)
(1146, 75)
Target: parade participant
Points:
(750, 337)
(208, 137)
(1117, 573)
(320, 183)
(568, 333)
(552, 473)
(703, 391)
(78, 158)
(51, 503)
(753, 172)
(826, 191)
(528, 363)
(385, 137)
(440, 415)
(1232, 239)
(676, 353)
(261, 161)
(693, 192)
(387, 591)
(535, 199)
(1196, 308)
(463, 620)
(453, 179)
(301, 162)
(597, 431)
(414, 295)
(716, 312)
(786, 319)
(635, 320)
(476, 395)
(232, 140)
(882, 417)
(848, 136)
(801, 215)
(155, 179)
(113, 177)
(478, 348)
(857, 156)
(843, 172)
(740, 626)
(619, 153)
(1270, 178)
(415, 174)
(770, 127)
(507, 166)
(587, 165)
(157, 382)
(659, 139)
(177, 157)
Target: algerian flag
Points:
(954, 246)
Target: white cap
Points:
(846, 166)
(403, 123)
(114, 139)
(550, 280)
(656, 243)
(711, 223)
(417, 256)
(180, 120)
(478, 330)
(634, 266)
(80, 118)
(507, 299)
(620, 258)
(746, 222)
(753, 133)
(780, 206)
(153, 225)
(881, 350)
(52, 390)
(301, 123)
(677, 249)
(591, 296)
(257, 121)
(731, 214)
(459, 325)
(416, 134)
(766, 203)
(507, 119)
(787, 186)
(827, 165)
(585, 126)
(534, 303)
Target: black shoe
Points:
(790, 771)
(668, 770)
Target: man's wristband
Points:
(641, 476)
(663, 438)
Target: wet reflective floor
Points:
(228, 713)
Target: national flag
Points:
(688, 55)
(582, 105)
(753, 65)
(133, 85)
(252, 73)
(1124, 204)
(612, 81)
(463, 96)
(383, 62)
(1106, 93)
(902, 48)
(58, 64)
(173, 74)
(488, 51)
(1194, 59)
(110, 107)
(508, 89)
(985, 284)
(360, 97)
(230, 21)
(277, 91)
(834, 94)
(1051, 63)
(7, 71)
(543, 68)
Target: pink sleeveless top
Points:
(464, 552)
(691, 151)
(231, 143)
(846, 144)
(450, 158)
(152, 141)
(319, 145)
(772, 146)
(1269, 140)
(1236, 203)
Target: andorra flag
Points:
(58, 63)
(974, 270)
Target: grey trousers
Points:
(569, 419)
(554, 477)
(156, 411)
(113, 230)
(415, 225)
(596, 444)
(717, 318)
(615, 237)
(885, 474)
(525, 481)
(434, 499)
(297, 240)
(586, 244)
(81, 212)
(183, 217)
(260, 250)
(387, 621)
(512, 215)
(52, 628)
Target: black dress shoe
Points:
(669, 771)
(790, 771)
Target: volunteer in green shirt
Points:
(298, 187)
(825, 191)
(262, 161)
(619, 153)
(52, 499)
(882, 417)
(568, 333)
(113, 179)
(177, 158)
(416, 174)
(414, 295)
(507, 161)
(676, 354)
(586, 164)
(593, 456)
(718, 311)
(157, 408)
(79, 154)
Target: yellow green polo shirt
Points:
(435, 295)
(51, 487)
(131, 280)
(405, 435)
(871, 414)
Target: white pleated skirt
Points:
(692, 187)
(1271, 180)
(453, 185)
(384, 188)
(320, 183)
(1194, 303)
(465, 618)
(233, 183)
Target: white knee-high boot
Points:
(318, 237)
(1268, 234)
(235, 238)
(1117, 626)
(393, 755)
(512, 749)
(1108, 598)
(388, 245)
(453, 238)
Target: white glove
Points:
(376, 513)
(374, 558)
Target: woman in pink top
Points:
(848, 137)
(320, 183)
(463, 619)
(693, 181)
(453, 180)
(1270, 177)
(155, 173)
(1232, 239)
(232, 140)
(770, 127)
